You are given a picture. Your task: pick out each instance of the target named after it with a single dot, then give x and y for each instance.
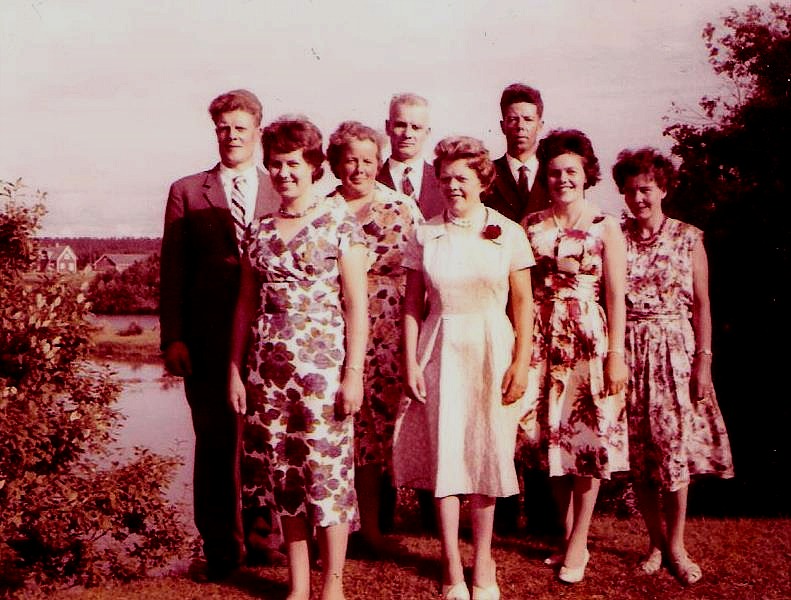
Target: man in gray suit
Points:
(206, 215)
(406, 171)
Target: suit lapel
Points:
(215, 196)
(506, 184)
(385, 177)
(431, 200)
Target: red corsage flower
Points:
(492, 232)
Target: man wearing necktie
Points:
(206, 216)
(406, 171)
(514, 192)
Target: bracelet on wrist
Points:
(615, 351)
(705, 351)
(355, 368)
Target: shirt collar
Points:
(250, 174)
(531, 163)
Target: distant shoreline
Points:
(111, 345)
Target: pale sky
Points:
(103, 103)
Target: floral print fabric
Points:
(462, 439)
(571, 426)
(297, 454)
(671, 437)
(387, 226)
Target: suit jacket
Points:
(430, 202)
(199, 279)
(503, 195)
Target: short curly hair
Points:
(568, 141)
(644, 161)
(236, 100)
(347, 132)
(469, 149)
(294, 132)
(519, 92)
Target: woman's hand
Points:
(350, 394)
(237, 394)
(415, 384)
(515, 382)
(615, 373)
(700, 385)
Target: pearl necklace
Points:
(299, 214)
(651, 238)
(576, 223)
(457, 221)
(464, 223)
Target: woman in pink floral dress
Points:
(305, 358)
(676, 429)
(576, 427)
(387, 219)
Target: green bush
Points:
(69, 513)
(135, 291)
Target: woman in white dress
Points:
(465, 372)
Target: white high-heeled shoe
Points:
(574, 574)
(490, 592)
(457, 591)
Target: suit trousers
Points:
(216, 475)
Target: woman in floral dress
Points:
(305, 358)
(576, 426)
(465, 372)
(387, 219)
(676, 429)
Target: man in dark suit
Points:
(406, 171)
(206, 216)
(515, 191)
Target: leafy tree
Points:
(132, 292)
(735, 181)
(69, 512)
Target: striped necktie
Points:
(406, 184)
(237, 206)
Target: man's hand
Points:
(177, 359)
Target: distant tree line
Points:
(134, 291)
(89, 250)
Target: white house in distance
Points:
(57, 259)
(117, 262)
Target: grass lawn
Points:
(742, 559)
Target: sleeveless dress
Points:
(387, 226)
(462, 439)
(671, 437)
(297, 456)
(571, 425)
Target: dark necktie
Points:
(237, 206)
(406, 185)
(521, 184)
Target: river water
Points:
(158, 418)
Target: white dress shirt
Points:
(532, 168)
(251, 188)
(415, 175)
